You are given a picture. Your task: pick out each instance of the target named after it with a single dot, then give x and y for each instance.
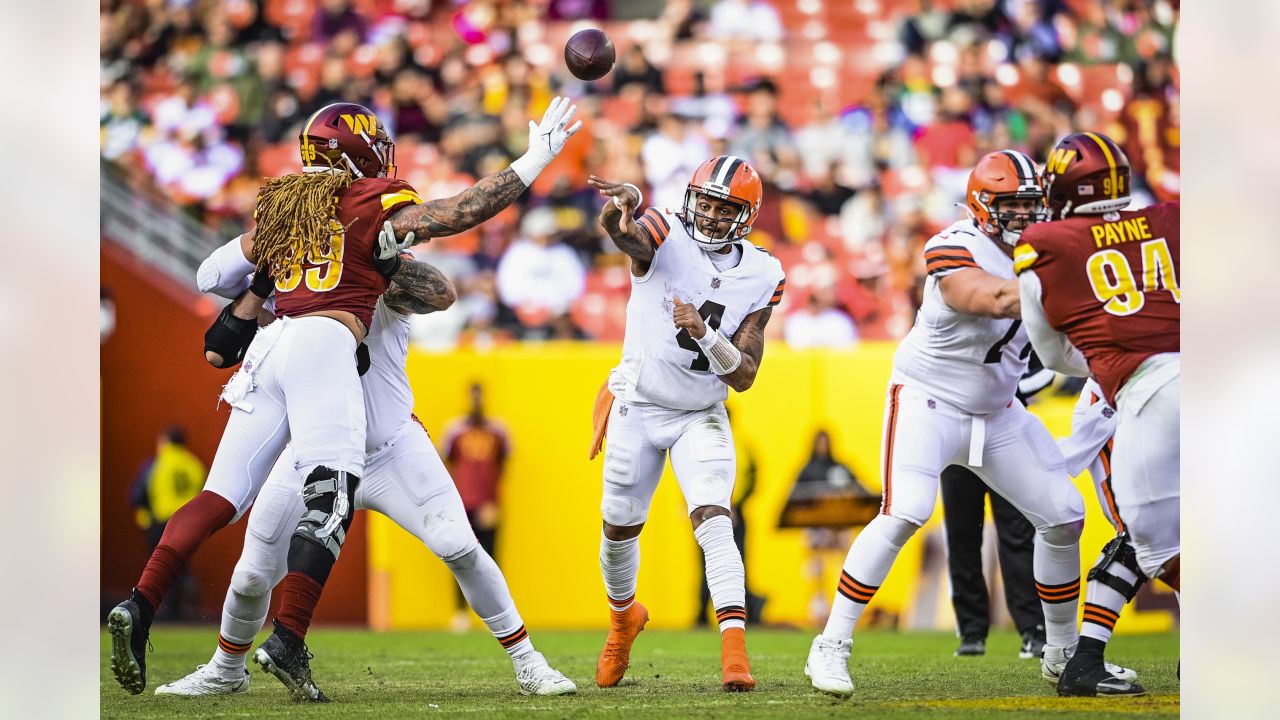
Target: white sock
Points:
(865, 568)
(486, 591)
(726, 577)
(509, 630)
(242, 618)
(1057, 573)
(1103, 605)
(620, 566)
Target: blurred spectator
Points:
(762, 138)
(122, 123)
(820, 323)
(476, 450)
(635, 68)
(335, 17)
(670, 156)
(167, 481)
(754, 20)
(538, 276)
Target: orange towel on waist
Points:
(600, 419)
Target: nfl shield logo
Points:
(932, 404)
(622, 410)
(715, 283)
(1107, 412)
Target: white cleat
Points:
(828, 666)
(536, 677)
(1055, 659)
(207, 680)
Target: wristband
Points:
(723, 356)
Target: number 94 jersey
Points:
(1110, 283)
(970, 361)
(661, 365)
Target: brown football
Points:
(589, 54)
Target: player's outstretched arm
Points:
(415, 224)
(617, 218)
(978, 292)
(419, 288)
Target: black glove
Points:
(362, 359)
(263, 284)
(230, 336)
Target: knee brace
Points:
(252, 581)
(621, 511)
(449, 538)
(1118, 552)
(328, 495)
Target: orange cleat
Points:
(734, 666)
(616, 656)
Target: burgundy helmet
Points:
(348, 137)
(1086, 173)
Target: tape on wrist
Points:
(723, 356)
(617, 199)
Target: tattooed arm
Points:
(491, 195)
(750, 341)
(419, 288)
(467, 209)
(630, 236)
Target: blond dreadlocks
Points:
(297, 217)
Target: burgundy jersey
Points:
(1110, 283)
(346, 280)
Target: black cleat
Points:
(1032, 646)
(1088, 677)
(972, 646)
(129, 631)
(286, 656)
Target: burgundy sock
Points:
(184, 533)
(299, 595)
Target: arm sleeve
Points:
(1054, 348)
(226, 272)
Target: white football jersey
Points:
(666, 367)
(388, 400)
(970, 361)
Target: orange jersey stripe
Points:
(660, 228)
(887, 470)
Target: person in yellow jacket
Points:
(166, 482)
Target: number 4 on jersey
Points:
(711, 313)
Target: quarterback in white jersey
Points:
(700, 298)
(951, 401)
(406, 481)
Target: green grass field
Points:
(672, 675)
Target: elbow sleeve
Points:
(225, 272)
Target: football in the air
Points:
(589, 54)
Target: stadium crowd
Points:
(862, 116)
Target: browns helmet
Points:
(724, 177)
(1087, 173)
(999, 177)
(349, 137)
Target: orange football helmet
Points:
(999, 177)
(347, 136)
(724, 177)
(1086, 173)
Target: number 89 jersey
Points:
(661, 365)
(970, 361)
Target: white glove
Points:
(546, 139)
(387, 243)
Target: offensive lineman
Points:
(317, 237)
(700, 299)
(1101, 297)
(405, 481)
(951, 401)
